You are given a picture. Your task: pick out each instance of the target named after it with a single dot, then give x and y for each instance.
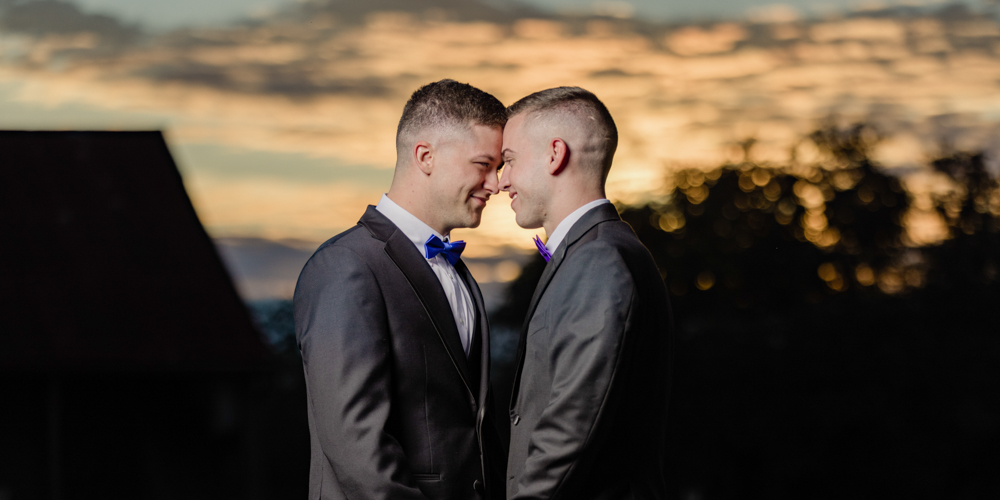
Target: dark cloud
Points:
(46, 17)
(278, 80)
(452, 10)
(236, 163)
(288, 80)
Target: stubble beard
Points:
(470, 217)
(527, 217)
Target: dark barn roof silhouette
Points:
(104, 264)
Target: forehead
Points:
(516, 122)
(478, 143)
(486, 133)
(523, 135)
(471, 136)
(514, 128)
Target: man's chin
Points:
(474, 219)
(472, 222)
(526, 223)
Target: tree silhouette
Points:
(971, 258)
(819, 353)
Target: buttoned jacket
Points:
(396, 410)
(589, 405)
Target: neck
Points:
(411, 201)
(567, 203)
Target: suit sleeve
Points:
(586, 328)
(342, 331)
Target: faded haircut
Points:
(586, 109)
(448, 103)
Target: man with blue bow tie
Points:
(392, 327)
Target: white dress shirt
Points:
(455, 289)
(552, 243)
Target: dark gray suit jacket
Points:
(396, 411)
(588, 411)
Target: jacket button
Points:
(478, 486)
(517, 419)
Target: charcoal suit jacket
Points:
(396, 410)
(588, 409)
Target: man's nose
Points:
(491, 183)
(504, 180)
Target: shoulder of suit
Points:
(616, 233)
(596, 250)
(610, 242)
(354, 243)
(592, 266)
(355, 237)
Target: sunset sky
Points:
(158, 15)
(283, 126)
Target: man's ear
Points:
(558, 156)
(423, 156)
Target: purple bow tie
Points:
(451, 250)
(541, 249)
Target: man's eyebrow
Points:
(505, 151)
(488, 156)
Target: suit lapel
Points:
(425, 285)
(593, 217)
(543, 282)
(598, 214)
(484, 327)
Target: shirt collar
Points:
(414, 229)
(552, 243)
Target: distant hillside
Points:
(265, 269)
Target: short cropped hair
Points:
(448, 103)
(582, 105)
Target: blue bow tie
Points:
(451, 251)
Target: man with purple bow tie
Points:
(392, 327)
(589, 402)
